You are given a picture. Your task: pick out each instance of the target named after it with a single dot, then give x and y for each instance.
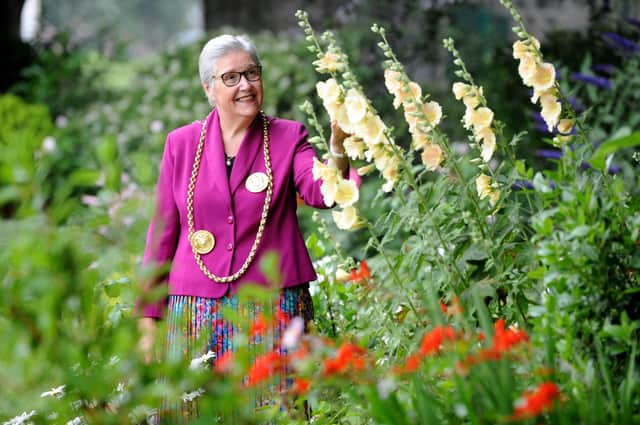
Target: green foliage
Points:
(22, 133)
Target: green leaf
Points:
(611, 146)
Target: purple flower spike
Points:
(603, 83)
(616, 40)
(549, 153)
(615, 169)
(522, 185)
(604, 68)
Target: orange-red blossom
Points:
(537, 401)
(348, 357)
(431, 342)
(362, 274)
(263, 367)
(503, 341)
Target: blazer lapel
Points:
(213, 172)
(252, 144)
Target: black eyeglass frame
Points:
(221, 77)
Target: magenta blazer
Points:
(227, 209)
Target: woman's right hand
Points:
(147, 331)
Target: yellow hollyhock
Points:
(551, 110)
(328, 189)
(342, 118)
(420, 140)
(544, 77)
(323, 171)
(371, 129)
(346, 193)
(356, 106)
(432, 156)
(481, 118)
(432, 112)
(483, 187)
(565, 126)
(354, 147)
(363, 171)
(393, 81)
(330, 62)
(488, 138)
(461, 90)
(346, 219)
(527, 69)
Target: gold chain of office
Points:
(265, 208)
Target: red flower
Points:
(264, 367)
(223, 362)
(432, 340)
(505, 339)
(349, 356)
(301, 385)
(362, 274)
(537, 401)
(258, 326)
(411, 365)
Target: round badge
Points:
(257, 182)
(202, 241)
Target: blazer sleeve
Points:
(307, 188)
(164, 229)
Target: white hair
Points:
(218, 47)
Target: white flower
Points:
(190, 396)
(61, 121)
(156, 126)
(49, 144)
(203, 359)
(385, 387)
(21, 419)
(78, 420)
(291, 336)
(57, 392)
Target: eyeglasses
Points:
(232, 78)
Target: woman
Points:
(226, 195)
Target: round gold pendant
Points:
(202, 241)
(256, 182)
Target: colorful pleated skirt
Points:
(196, 326)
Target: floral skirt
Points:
(196, 326)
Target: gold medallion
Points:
(257, 182)
(202, 241)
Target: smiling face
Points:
(244, 100)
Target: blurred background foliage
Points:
(82, 128)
